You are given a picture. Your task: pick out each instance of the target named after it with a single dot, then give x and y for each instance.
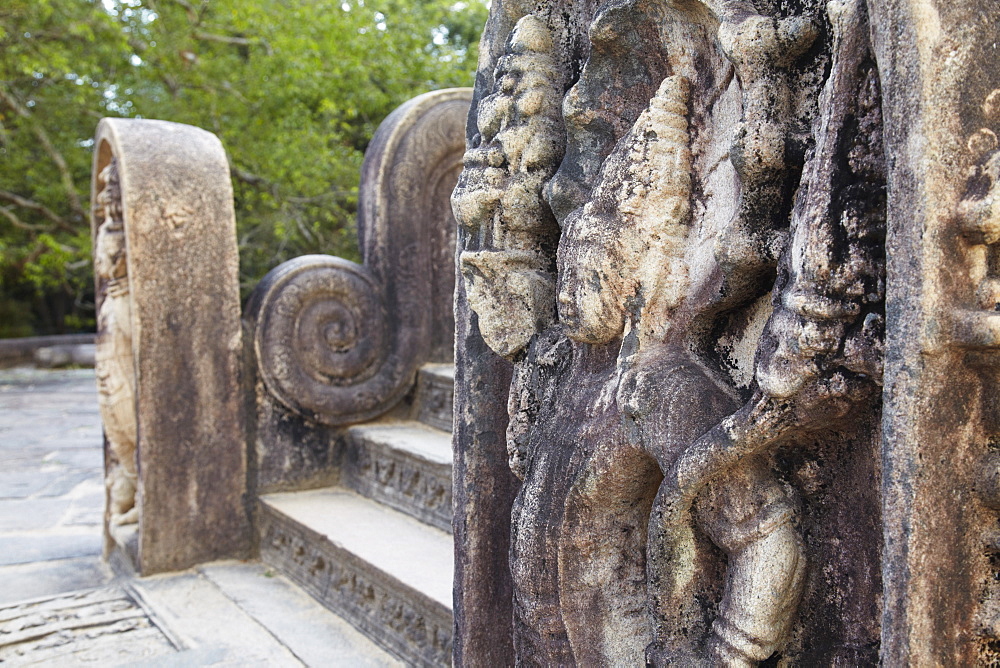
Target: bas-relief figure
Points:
(686, 267)
(115, 365)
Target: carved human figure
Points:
(621, 267)
(821, 351)
(518, 148)
(620, 418)
(114, 361)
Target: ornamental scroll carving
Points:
(697, 344)
(338, 342)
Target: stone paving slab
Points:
(28, 547)
(52, 577)
(98, 627)
(60, 604)
(310, 631)
(223, 614)
(51, 481)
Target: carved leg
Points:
(763, 587)
(749, 516)
(671, 580)
(746, 513)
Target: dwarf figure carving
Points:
(114, 364)
(499, 198)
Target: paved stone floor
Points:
(51, 494)
(60, 605)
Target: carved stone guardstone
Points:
(692, 234)
(352, 372)
(337, 343)
(169, 346)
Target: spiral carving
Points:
(322, 338)
(338, 342)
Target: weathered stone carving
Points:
(975, 330)
(820, 352)
(115, 365)
(335, 342)
(499, 196)
(721, 291)
(338, 342)
(979, 222)
(170, 346)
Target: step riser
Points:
(411, 485)
(405, 622)
(435, 398)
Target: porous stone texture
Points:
(169, 344)
(941, 423)
(334, 342)
(693, 235)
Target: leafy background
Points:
(295, 90)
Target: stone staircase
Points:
(376, 548)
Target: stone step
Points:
(435, 395)
(384, 572)
(404, 464)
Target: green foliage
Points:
(294, 90)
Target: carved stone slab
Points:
(174, 202)
(941, 425)
(97, 626)
(758, 207)
(385, 573)
(405, 465)
(436, 396)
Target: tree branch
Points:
(25, 203)
(72, 195)
(252, 179)
(191, 11)
(17, 222)
(238, 41)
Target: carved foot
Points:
(128, 517)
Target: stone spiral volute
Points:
(321, 338)
(338, 342)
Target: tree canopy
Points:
(295, 91)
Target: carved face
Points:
(109, 252)
(591, 285)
